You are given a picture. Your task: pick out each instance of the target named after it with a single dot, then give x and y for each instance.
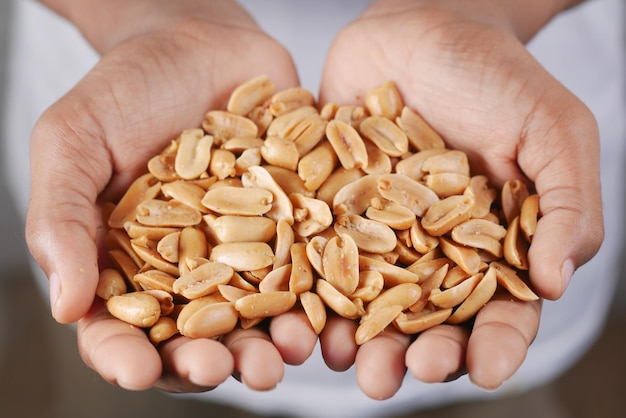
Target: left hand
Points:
(464, 69)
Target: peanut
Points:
(272, 205)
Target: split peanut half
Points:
(272, 205)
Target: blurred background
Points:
(42, 375)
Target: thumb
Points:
(564, 162)
(63, 221)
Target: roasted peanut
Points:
(231, 200)
(315, 167)
(481, 294)
(167, 247)
(340, 263)
(164, 329)
(185, 192)
(301, 278)
(335, 300)
(348, 144)
(355, 197)
(515, 247)
(267, 304)
(290, 99)
(480, 233)
(144, 188)
(514, 192)
(411, 165)
(378, 162)
(392, 274)
(147, 251)
(280, 152)
(466, 257)
(384, 100)
(508, 278)
(311, 216)
(235, 228)
(156, 212)
(482, 195)
(369, 235)
(224, 125)
(222, 164)
(136, 308)
(403, 295)
(254, 92)
(360, 209)
(194, 154)
(285, 237)
(443, 215)
(389, 213)
(111, 283)
(419, 133)
(415, 322)
(315, 310)
(406, 192)
(276, 280)
(203, 280)
(283, 125)
(529, 213)
(289, 181)
(207, 318)
(387, 136)
(455, 295)
(281, 207)
(156, 280)
(374, 323)
(243, 256)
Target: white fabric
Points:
(584, 48)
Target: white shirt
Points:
(584, 48)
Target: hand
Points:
(464, 68)
(164, 64)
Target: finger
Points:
(62, 221)
(380, 364)
(120, 353)
(438, 354)
(567, 180)
(337, 343)
(503, 331)
(194, 365)
(258, 364)
(293, 336)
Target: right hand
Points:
(159, 72)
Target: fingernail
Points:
(55, 290)
(567, 271)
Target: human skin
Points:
(162, 63)
(463, 66)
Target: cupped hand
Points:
(90, 145)
(463, 66)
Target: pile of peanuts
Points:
(275, 204)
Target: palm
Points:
(479, 87)
(154, 88)
(87, 149)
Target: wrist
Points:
(105, 24)
(523, 18)
(527, 17)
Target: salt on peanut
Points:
(273, 205)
